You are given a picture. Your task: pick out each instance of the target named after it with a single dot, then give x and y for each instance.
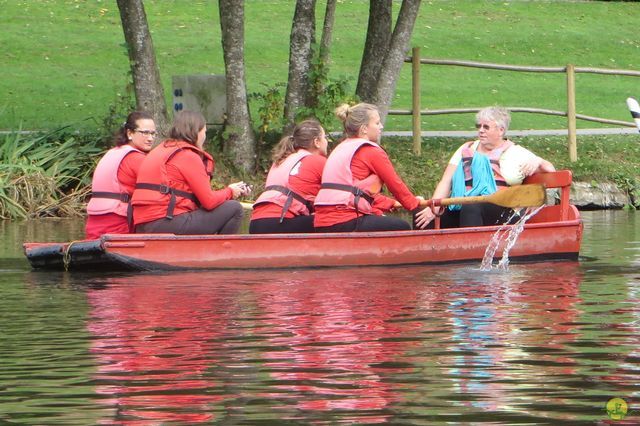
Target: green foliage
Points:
(270, 108)
(118, 111)
(53, 49)
(46, 174)
(325, 94)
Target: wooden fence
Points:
(570, 71)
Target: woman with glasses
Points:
(115, 176)
(482, 167)
(173, 191)
(350, 198)
(286, 205)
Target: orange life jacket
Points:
(339, 187)
(494, 160)
(107, 194)
(153, 186)
(277, 188)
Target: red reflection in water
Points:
(338, 341)
(335, 335)
(324, 340)
(152, 345)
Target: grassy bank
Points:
(65, 63)
(66, 66)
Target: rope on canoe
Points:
(66, 255)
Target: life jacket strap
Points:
(120, 196)
(290, 196)
(173, 192)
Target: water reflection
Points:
(360, 346)
(544, 343)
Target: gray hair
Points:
(497, 114)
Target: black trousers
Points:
(480, 214)
(368, 223)
(269, 225)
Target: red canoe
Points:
(554, 233)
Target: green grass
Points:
(65, 63)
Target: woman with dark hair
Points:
(286, 205)
(115, 177)
(349, 198)
(173, 192)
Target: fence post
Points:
(415, 94)
(571, 112)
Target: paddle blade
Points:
(531, 195)
(635, 110)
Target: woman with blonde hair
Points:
(286, 205)
(349, 198)
(173, 192)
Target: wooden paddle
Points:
(531, 195)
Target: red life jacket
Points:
(339, 187)
(494, 159)
(107, 194)
(153, 186)
(277, 188)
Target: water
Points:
(543, 343)
(508, 234)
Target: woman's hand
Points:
(424, 218)
(240, 189)
(531, 165)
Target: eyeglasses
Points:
(483, 126)
(151, 133)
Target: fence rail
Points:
(570, 70)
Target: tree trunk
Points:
(302, 35)
(241, 141)
(394, 59)
(375, 48)
(146, 76)
(327, 31)
(319, 67)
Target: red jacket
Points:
(174, 179)
(301, 172)
(340, 187)
(366, 161)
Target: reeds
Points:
(46, 174)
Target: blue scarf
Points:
(483, 181)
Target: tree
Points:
(375, 48)
(144, 68)
(300, 54)
(241, 141)
(393, 59)
(319, 66)
(327, 31)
